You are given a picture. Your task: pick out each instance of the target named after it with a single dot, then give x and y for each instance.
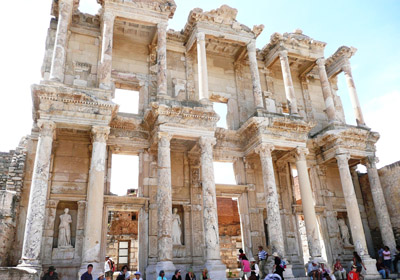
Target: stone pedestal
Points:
(271, 196)
(213, 262)
(353, 94)
(202, 66)
(105, 66)
(162, 59)
(60, 44)
(255, 76)
(95, 198)
(287, 80)
(37, 197)
(307, 201)
(326, 90)
(164, 209)
(382, 213)
(353, 212)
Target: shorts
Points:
(108, 274)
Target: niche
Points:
(73, 211)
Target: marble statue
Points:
(176, 228)
(345, 232)
(64, 230)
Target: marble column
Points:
(210, 214)
(307, 201)
(37, 197)
(60, 43)
(255, 76)
(164, 206)
(353, 94)
(326, 90)
(275, 232)
(80, 228)
(162, 59)
(202, 65)
(287, 80)
(105, 66)
(95, 198)
(353, 213)
(381, 210)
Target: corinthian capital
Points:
(320, 62)
(164, 139)
(206, 142)
(100, 133)
(370, 161)
(251, 47)
(264, 149)
(300, 153)
(283, 54)
(46, 127)
(346, 67)
(200, 36)
(108, 17)
(162, 26)
(343, 159)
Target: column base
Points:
(288, 273)
(216, 269)
(370, 265)
(167, 266)
(21, 273)
(97, 269)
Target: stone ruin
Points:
(297, 191)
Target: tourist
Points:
(137, 275)
(278, 266)
(177, 275)
(127, 275)
(262, 258)
(387, 258)
(245, 267)
(382, 269)
(88, 274)
(190, 275)
(101, 276)
(161, 276)
(358, 263)
(123, 272)
(255, 268)
(204, 275)
(108, 268)
(353, 274)
(241, 254)
(253, 276)
(325, 271)
(380, 253)
(339, 271)
(313, 270)
(396, 259)
(51, 274)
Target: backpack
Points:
(112, 265)
(283, 264)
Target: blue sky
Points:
(373, 27)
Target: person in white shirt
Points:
(137, 275)
(107, 268)
(254, 267)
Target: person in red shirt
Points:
(353, 275)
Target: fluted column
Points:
(271, 196)
(202, 65)
(164, 205)
(37, 197)
(255, 76)
(210, 214)
(105, 66)
(95, 198)
(162, 59)
(60, 43)
(381, 210)
(326, 90)
(353, 94)
(287, 80)
(307, 202)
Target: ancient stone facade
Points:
(292, 152)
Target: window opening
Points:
(89, 7)
(223, 173)
(222, 110)
(124, 174)
(128, 100)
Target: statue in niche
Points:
(344, 230)
(64, 230)
(176, 227)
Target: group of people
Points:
(384, 262)
(189, 275)
(252, 270)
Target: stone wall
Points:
(12, 170)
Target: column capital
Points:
(300, 153)
(46, 127)
(320, 62)
(206, 142)
(164, 139)
(264, 149)
(100, 133)
(107, 16)
(251, 46)
(342, 158)
(370, 161)
(200, 36)
(283, 54)
(52, 203)
(81, 204)
(162, 26)
(346, 67)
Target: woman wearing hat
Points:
(177, 275)
(137, 275)
(255, 268)
(278, 267)
(204, 275)
(190, 275)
